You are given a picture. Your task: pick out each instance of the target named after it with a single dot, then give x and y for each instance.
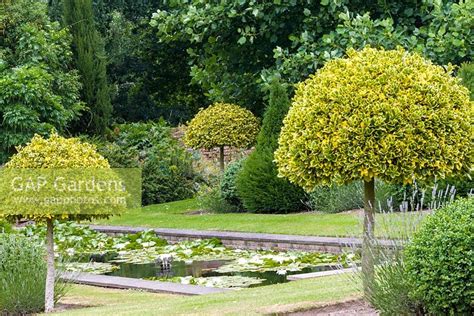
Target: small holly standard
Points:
(220, 125)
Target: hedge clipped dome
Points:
(440, 260)
(376, 114)
(222, 124)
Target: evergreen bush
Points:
(258, 184)
(228, 185)
(167, 171)
(440, 260)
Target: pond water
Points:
(204, 262)
(202, 269)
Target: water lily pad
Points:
(90, 267)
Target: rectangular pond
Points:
(205, 262)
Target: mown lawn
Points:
(262, 300)
(180, 215)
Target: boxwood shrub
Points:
(440, 260)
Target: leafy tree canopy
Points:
(38, 89)
(231, 44)
(60, 153)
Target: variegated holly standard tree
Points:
(220, 125)
(390, 115)
(55, 153)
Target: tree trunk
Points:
(221, 159)
(367, 254)
(50, 274)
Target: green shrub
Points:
(228, 185)
(167, 175)
(167, 171)
(22, 275)
(118, 157)
(440, 260)
(221, 195)
(210, 199)
(258, 184)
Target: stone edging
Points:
(138, 284)
(246, 240)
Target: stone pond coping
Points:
(312, 275)
(245, 240)
(169, 287)
(138, 284)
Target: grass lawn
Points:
(177, 215)
(262, 300)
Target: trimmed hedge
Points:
(440, 260)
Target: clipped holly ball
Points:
(391, 115)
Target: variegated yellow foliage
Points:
(377, 114)
(57, 152)
(222, 124)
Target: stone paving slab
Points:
(138, 284)
(303, 276)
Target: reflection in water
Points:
(169, 269)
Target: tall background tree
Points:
(232, 44)
(90, 60)
(39, 89)
(258, 184)
(148, 79)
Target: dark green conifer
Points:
(258, 185)
(90, 59)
